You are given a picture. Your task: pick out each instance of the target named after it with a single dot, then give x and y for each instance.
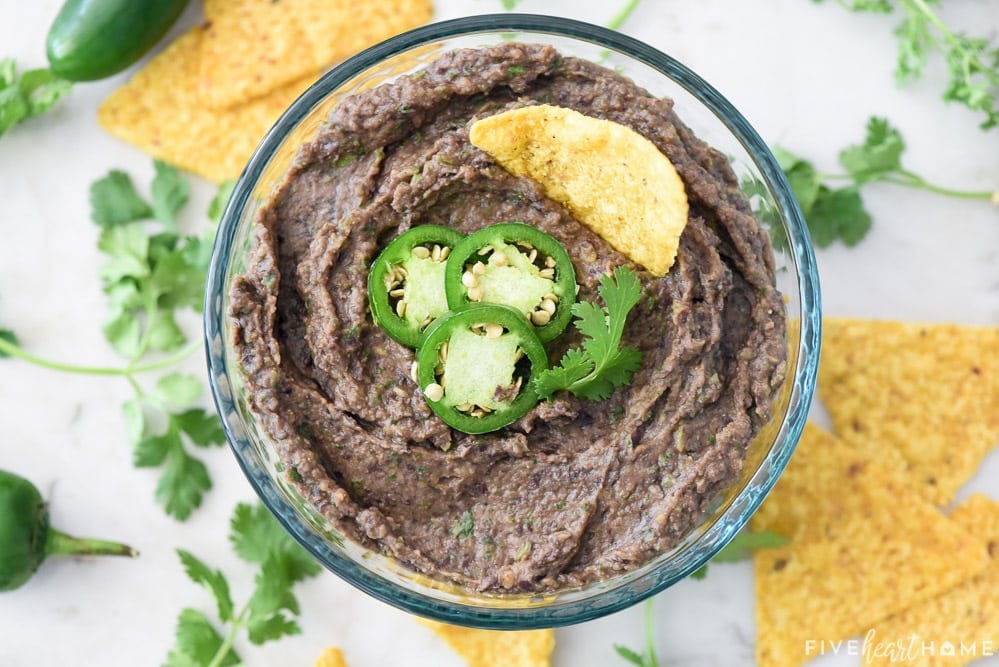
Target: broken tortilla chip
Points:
(864, 545)
(252, 47)
(956, 627)
(612, 179)
(922, 398)
(331, 657)
(159, 111)
(489, 648)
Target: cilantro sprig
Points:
(270, 611)
(972, 62)
(152, 273)
(742, 547)
(832, 203)
(31, 94)
(602, 364)
(647, 657)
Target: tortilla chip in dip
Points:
(610, 177)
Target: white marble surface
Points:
(806, 75)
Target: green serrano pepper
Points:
(27, 539)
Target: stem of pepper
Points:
(60, 543)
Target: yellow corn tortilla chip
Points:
(490, 648)
(336, 29)
(331, 657)
(249, 48)
(160, 111)
(252, 47)
(957, 627)
(923, 398)
(612, 179)
(864, 545)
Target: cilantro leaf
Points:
(972, 62)
(742, 547)
(114, 201)
(213, 581)
(630, 655)
(510, 5)
(10, 337)
(202, 427)
(177, 390)
(879, 155)
(170, 193)
(183, 483)
(42, 89)
(217, 206)
(256, 536)
(197, 643)
(603, 364)
(32, 94)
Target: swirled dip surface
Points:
(576, 490)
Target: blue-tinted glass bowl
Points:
(715, 120)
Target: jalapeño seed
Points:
(540, 318)
(468, 279)
(420, 252)
(494, 330)
(475, 294)
(433, 392)
(478, 268)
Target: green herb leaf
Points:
(630, 655)
(879, 155)
(114, 201)
(152, 450)
(510, 5)
(603, 364)
(135, 420)
(217, 206)
(464, 526)
(170, 193)
(972, 62)
(10, 337)
(197, 643)
(183, 483)
(213, 581)
(255, 535)
(203, 428)
(42, 89)
(34, 93)
(177, 390)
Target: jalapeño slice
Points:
(406, 282)
(475, 367)
(515, 265)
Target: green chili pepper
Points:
(26, 539)
(406, 282)
(93, 39)
(515, 265)
(475, 367)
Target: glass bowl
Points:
(714, 120)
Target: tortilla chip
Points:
(864, 545)
(923, 398)
(249, 48)
(337, 29)
(613, 180)
(957, 627)
(252, 47)
(159, 111)
(489, 648)
(331, 657)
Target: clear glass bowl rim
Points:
(801, 253)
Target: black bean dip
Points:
(575, 491)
